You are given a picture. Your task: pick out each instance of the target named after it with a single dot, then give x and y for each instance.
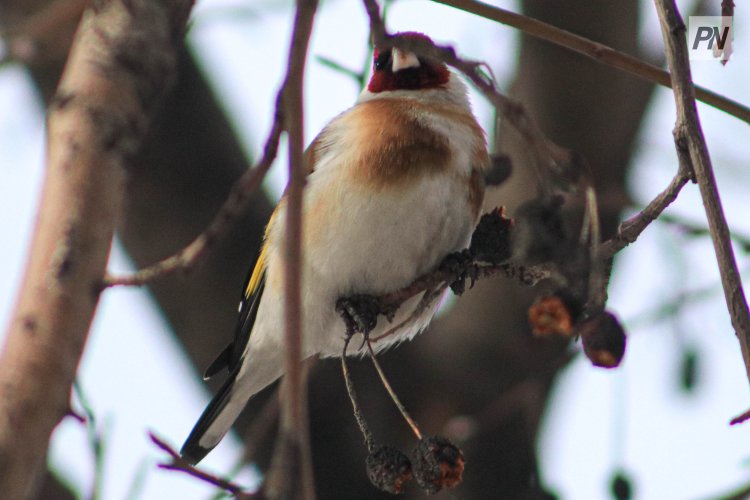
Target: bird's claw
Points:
(458, 264)
(359, 312)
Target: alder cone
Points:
(603, 339)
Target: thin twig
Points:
(630, 229)
(689, 136)
(180, 464)
(401, 408)
(361, 422)
(291, 471)
(434, 282)
(440, 277)
(596, 51)
(292, 97)
(740, 418)
(233, 207)
(377, 26)
(628, 232)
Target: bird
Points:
(394, 184)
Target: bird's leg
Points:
(359, 312)
(458, 264)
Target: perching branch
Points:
(180, 464)
(473, 269)
(689, 136)
(596, 51)
(122, 60)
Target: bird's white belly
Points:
(381, 241)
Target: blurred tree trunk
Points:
(188, 164)
(479, 360)
(46, 68)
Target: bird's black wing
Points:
(231, 356)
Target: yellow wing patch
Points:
(260, 265)
(256, 277)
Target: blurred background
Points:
(533, 417)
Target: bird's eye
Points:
(382, 60)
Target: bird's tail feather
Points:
(225, 407)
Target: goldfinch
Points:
(394, 184)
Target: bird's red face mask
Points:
(398, 69)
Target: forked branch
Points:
(691, 146)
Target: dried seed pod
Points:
(551, 315)
(438, 464)
(388, 469)
(491, 239)
(603, 339)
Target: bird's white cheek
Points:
(403, 59)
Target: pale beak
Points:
(403, 59)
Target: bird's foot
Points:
(359, 312)
(458, 264)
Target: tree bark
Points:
(188, 162)
(112, 81)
